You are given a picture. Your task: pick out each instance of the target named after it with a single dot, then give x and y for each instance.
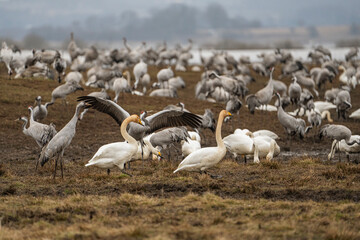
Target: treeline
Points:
(175, 22)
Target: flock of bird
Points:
(224, 79)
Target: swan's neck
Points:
(125, 134)
(219, 140)
(151, 147)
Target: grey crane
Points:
(179, 106)
(291, 124)
(330, 95)
(207, 122)
(161, 119)
(252, 102)
(73, 49)
(63, 90)
(230, 85)
(106, 75)
(59, 65)
(41, 133)
(292, 66)
(265, 94)
(164, 92)
(343, 103)
(294, 91)
(337, 133)
(323, 50)
(233, 106)
(306, 82)
(58, 144)
(314, 118)
(164, 75)
(280, 87)
(353, 52)
(169, 137)
(259, 68)
(321, 76)
(40, 110)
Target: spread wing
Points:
(172, 118)
(106, 106)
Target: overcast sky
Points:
(19, 16)
(36, 12)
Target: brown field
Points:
(299, 195)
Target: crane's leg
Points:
(212, 175)
(56, 161)
(142, 155)
(332, 150)
(62, 164)
(339, 151)
(108, 171)
(37, 161)
(123, 171)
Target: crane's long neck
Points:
(31, 115)
(219, 140)
(38, 103)
(25, 120)
(125, 134)
(74, 119)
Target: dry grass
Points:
(192, 216)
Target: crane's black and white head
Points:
(213, 75)
(143, 116)
(181, 105)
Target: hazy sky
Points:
(30, 13)
(19, 17)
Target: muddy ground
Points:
(300, 174)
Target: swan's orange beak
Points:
(140, 121)
(229, 114)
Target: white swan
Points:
(249, 145)
(343, 147)
(266, 133)
(194, 136)
(269, 108)
(355, 114)
(239, 144)
(191, 145)
(265, 147)
(146, 149)
(205, 158)
(118, 153)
